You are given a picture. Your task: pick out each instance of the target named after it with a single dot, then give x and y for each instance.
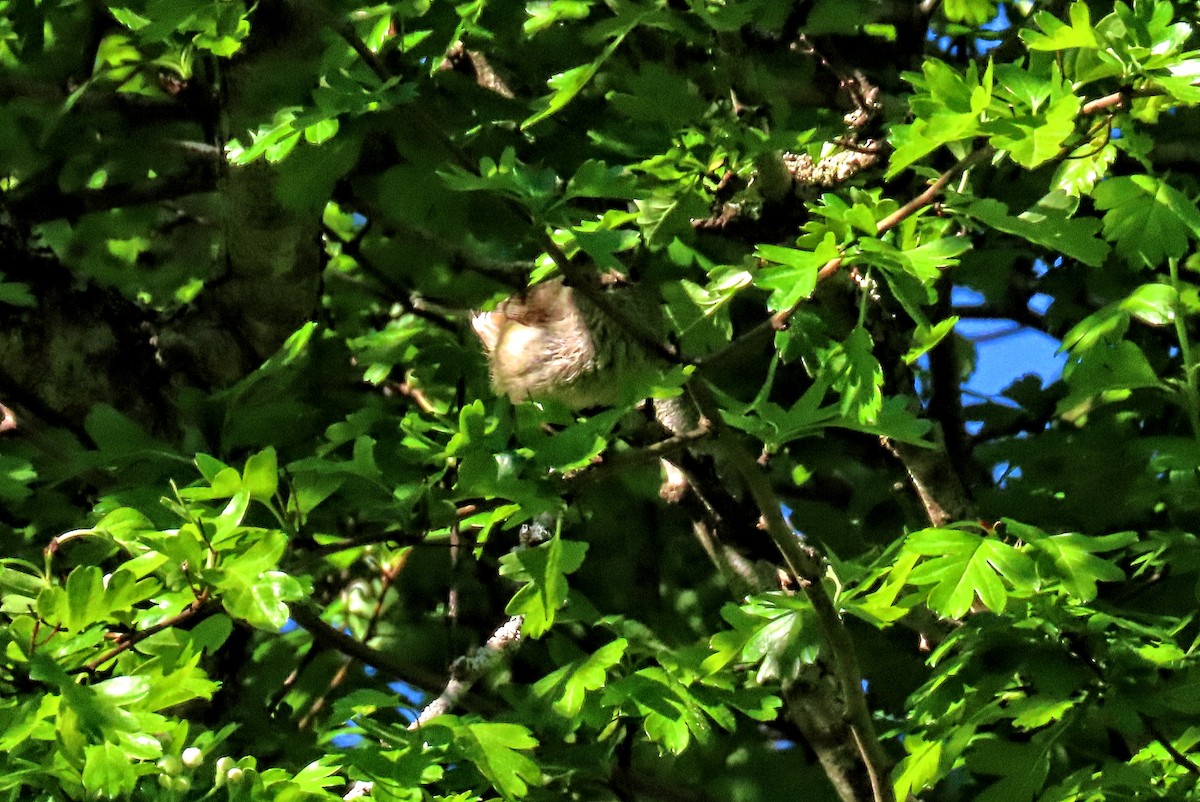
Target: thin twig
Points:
(934, 189)
(659, 450)
(388, 575)
(198, 610)
(332, 638)
(467, 670)
(1172, 750)
(351, 37)
(805, 565)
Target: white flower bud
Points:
(192, 757)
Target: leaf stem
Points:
(1191, 390)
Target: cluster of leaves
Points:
(175, 627)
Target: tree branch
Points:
(807, 568)
(332, 638)
(467, 670)
(39, 203)
(195, 612)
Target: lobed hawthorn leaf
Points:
(1110, 366)
(925, 262)
(1149, 220)
(1076, 564)
(86, 599)
(1048, 223)
(854, 371)
(595, 179)
(496, 750)
(658, 97)
(1034, 139)
(796, 278)
(1058, 35)
(948, 106)
(662, 218)
(589, 674)
(107, 772)
(544, 569)
(895, 420)
(962, 566)
(259, 599)
(672, 717)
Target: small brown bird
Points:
(551, 344)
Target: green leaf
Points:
(252, 591)
(588, 675)
(927, 337)
(107, 772)
(1106, 326)
(79, 604)
(963, 566)
(1034, 139)
(321, 131)
(566, 85)
(595, 179)
(948, 106)
(578, 444)
(496, 750)
(260, 600)
(970, 12)
(115, 434)
(1058, 35)
(776, 632)
(658, 96)
(671, 716)
(924, 262)
(1149, 220)
(1049, 224)
(896, 420)
(919, 768)
(14, 293)
(1074, 561)
(796, 278)
(544, 568)
(1153, 304)
(1110, 366)
(319, 775)
(662, 218)
(260, 478)
(776, 426)
(854, 371)
(545, 13)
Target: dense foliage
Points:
(261, 507)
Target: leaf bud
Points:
(170, 765)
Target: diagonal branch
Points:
(195, 612)
(331, 638)
(806, 566)
(467, 670)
